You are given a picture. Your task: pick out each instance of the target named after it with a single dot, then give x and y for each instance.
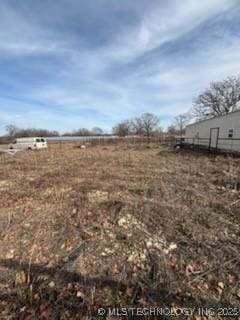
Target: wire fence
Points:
(112, 140)
(217, 144)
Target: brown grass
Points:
(119, 225)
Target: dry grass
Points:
(124, 225)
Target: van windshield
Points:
(38, 140)
(43, 140)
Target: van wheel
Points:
(29, 148)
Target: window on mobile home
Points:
(230, 133)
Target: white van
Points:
(28, 144)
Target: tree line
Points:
(220, 98)
(147, 124)
(15, 132)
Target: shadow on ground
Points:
(36, 299)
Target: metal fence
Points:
(112, 140)
(219, 144)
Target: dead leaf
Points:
(51, 284)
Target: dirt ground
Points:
(122, 226)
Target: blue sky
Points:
(66, 64)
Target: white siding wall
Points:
(202, 130)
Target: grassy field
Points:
(125, 225)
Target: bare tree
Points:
(146, 124)
(82, 132)
(97, 131)
(172, 130)
(11, 130)
(137, 126)
(220, 98)
(122, 129)
(180, 122)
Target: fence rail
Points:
(219, 144)
(105, 140)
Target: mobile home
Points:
(29, 143)
(221, 132)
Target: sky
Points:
(67, 64)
